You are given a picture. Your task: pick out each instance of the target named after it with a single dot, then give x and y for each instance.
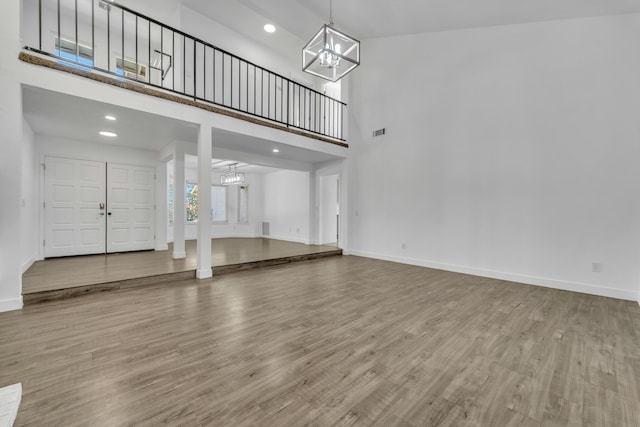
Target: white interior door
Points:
(74, 194)
(130, 208)
(328, 229)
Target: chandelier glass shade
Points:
(233, 177)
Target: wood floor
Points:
(70, 272)
(337, 341)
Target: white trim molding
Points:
(28, 264)
(10, 304)
(288, 239)
(204, 274)
(511, 277)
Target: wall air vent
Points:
(379, 132)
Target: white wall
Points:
(510, 152)
(10, 164)
(29, 223)
(226, 38)
(286, 205)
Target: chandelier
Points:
(233, 177)
(330, 54)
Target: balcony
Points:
(100, 38)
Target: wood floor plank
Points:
(338, 341)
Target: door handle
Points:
(101, 206)
(108, 213)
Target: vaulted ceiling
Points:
(370, 19)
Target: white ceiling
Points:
(222, 165)
(368, 19)
(66, 116)
(80, 119)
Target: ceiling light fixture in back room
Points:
(233, 177)
(330, 54)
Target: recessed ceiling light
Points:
(275, 150)
(109, 134)
(270, 28)
(109, 117)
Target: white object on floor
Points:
(9, 402)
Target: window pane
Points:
(218, 203)
(170, 195)
(243, 204)
(192, 202)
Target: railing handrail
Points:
(306, 108)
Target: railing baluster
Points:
(214, 75)
(149, 53)
(93, 35)
(173, 60)
(184, 64)
(223, 85)
(122, 35)
(76, 28)
(305, 108)
(40, 22)
(137, 66)
(246, 90)
(59, 32)
(195, 95)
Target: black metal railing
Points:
(110, 38)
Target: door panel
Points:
(74, 222)
(131, 210)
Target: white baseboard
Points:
(511, 277)
(179, 255)
(204, 274)
(164, 247)
(225, 236)
(28, 264)
(10, 304)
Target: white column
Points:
(161, 206)
(179, 213)
(10, 159)
(314, 237)
(203, 270)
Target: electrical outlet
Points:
(596, 267)
(403, 246)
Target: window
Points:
(170, 198)
(218, 203)
(79, 54)
(128, 68)
(191, 191)
(243, 204)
